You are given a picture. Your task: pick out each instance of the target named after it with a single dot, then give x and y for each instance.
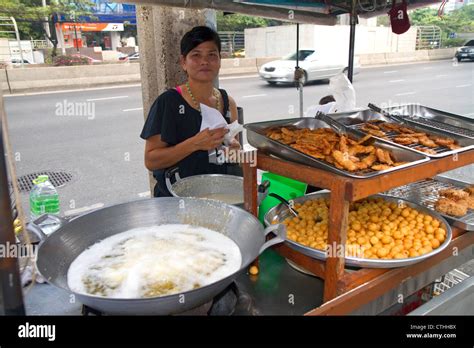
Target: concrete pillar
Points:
(115, 40)
(160, 30)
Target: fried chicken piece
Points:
(371, 126)
(470, 190)
(406, 130)
(454, 194)
(402, 140)
(343, 144)
(374, 132)
(380, 167)
(343, 159)
(326, 147)
(417, 135)
(390, 127)
(425, 141)
(469, 201)
(453, 146)
(360, 149)
(309, 150)
(362, 140)
(396, 164)
(274, 136)
(288, 131)
(450, 207)
(428, 151)
(329, 159)
(383, 156)
(366, 162)
(443, 141)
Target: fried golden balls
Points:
(377, 229)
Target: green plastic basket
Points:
(285, 187)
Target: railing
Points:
(232, 41)
(38, 44)
(428, 37)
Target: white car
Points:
(315, 68)
(17, 62)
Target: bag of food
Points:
(343, 92)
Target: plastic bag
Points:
(343, 92)
(211, 118)
(234, 129)
(326, 108)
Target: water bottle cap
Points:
(40, 179)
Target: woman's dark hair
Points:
(197, 36)
(327, 99)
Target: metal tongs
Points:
(336, 125)
(388, 115)
(341, 129)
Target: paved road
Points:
(103, 151)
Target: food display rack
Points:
(346, 290)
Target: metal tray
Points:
(356, 119)
(434, 118)
(257, 138)
(425, 192)
(281, 212)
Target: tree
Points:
(239, 22)
(457, 21)
(32, 15)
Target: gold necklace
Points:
(198, 105)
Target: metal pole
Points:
(300, 83)
(46, 25)
(240, 119)
(17, 34)
(11, 296)
(210, 16)
(75, 34)
(353, 22)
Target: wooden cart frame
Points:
(346, 291)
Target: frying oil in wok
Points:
(154, 261)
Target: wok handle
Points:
(34, 228)
(288, 204)
(262, 191)
(174, 171)
(280, 236)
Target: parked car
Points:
(134, 56)
(315, 67)
(17, 62)
(122, 57)
(89, 59)
(466, 51)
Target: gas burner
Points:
(230, 301)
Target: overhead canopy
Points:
(323, 12)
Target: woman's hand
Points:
(209, 139)
(234, 144)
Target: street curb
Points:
(30, 80)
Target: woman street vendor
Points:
(174, 131)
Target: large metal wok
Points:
(207, 186)
(58, 250)
(280, 212)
